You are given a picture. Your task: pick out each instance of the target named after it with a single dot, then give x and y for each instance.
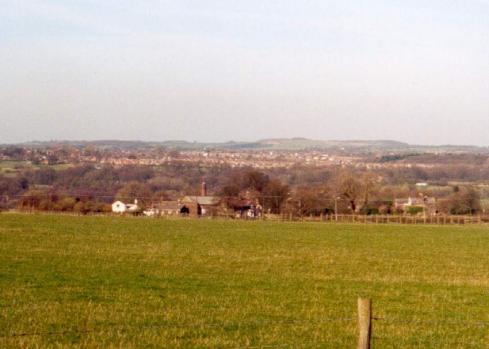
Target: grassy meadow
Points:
(90, 282)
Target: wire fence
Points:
(222, 209)
(283, 322)
(287, 218)
(240, 325)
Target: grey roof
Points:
(202, 200)
(168, 205)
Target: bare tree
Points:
(369, 187)
(350, 188)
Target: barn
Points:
(196, 206)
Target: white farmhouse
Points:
(120, 207)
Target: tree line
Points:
(298, 190)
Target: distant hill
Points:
(303, 143)
(293, 144)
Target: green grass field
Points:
(92, 282)
(10, 168)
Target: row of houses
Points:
(194, 206)
(201, 206)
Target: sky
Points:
(220, 70)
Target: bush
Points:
(66, 204)
(80, 207)
(414, 210)
(369, 210)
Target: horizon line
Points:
(237, 141)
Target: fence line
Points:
(193, 325)
(332, 218)
(353, 218)
(473, 323)
(242, 324)
(365, 322)
(283, 214)
(391, 219)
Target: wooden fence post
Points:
(364, 322)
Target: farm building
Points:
(164, 208)
(120, 207)
(245, 208)
(424, 204)
(201, 205)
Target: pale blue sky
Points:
(415, 71)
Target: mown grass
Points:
(92, 282)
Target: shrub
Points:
(414, 210)
(66, 204)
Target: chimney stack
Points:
(203, 191)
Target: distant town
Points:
(273, 153)
(238, 179)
